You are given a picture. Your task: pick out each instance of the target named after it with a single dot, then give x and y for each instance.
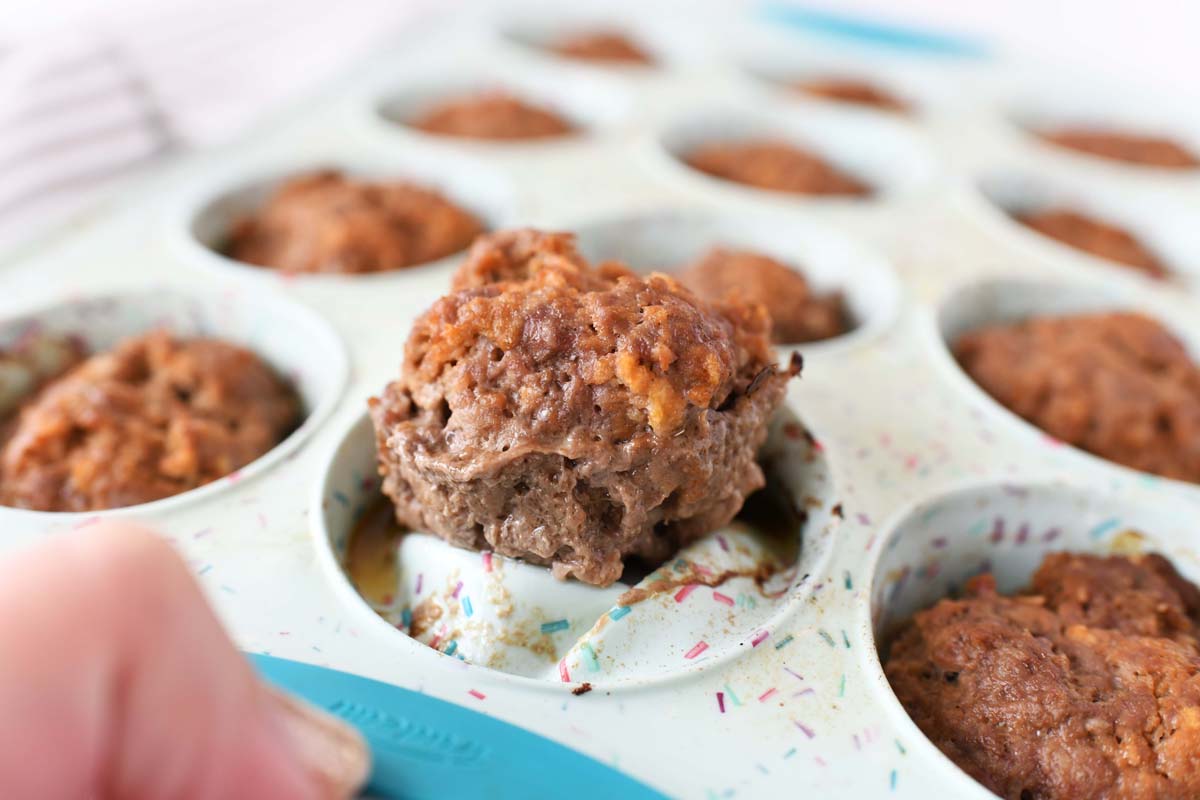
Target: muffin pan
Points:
(899, 478)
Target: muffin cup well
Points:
(593, 104)
(517, 618)
(295, 342)
(1161, 221)
(669, 41)
(888, 156)
(1088, 105)
(668, 240)
(200, 223)
(933, 546)
(997, 300)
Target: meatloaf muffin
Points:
(154, 417)
(492, 115)
(329, 222)
(1118, 385)
(852, 90)
(1085, 686)
(610, 47)
(1131, 148)
(776, 165)
(798, 314)
(1093, 236)
(573, 415)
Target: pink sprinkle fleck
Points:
(722, 598)
(262, 520)
(487, 562)
(86, 522)
(763, 697)
(562, 671)
(683, 593)
(420, 580)
(696, 650)
(857, 743)
(234, 476)
(721, 701)
(478, 695)
(807, 730)
(724, 544)
(200, 534)
(820, 761)
(457, 589)
(703, 570)
(759, 638)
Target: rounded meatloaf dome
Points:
(153, 417)
(573, 416)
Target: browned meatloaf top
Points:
(572, 415)
(329, 222)
(1086, 685)
(776, 165)
(798, 313)
(852, 90)
(610, 47)
(153, 417)
(1117, 384)
(1144, 150)
(1093, 236)
(492, 115)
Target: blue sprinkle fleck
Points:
(468, 609)
(784, 642)
(618, 612)
(453, 646)
(556, 625)
(589, 655)
(341, 498)
(892, 780)
(406, 618)
(1104, 527)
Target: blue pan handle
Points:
(423, 747)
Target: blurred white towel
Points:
(85, 100)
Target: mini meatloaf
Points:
(492, 115)
(798, 314)
(573, 415)
(1085, 686)
(1093, 236)
(1143, 150)
(1118, 385)
(610, 47)
(328, 222)
(852, 90)
(153, 417)
(775, 165)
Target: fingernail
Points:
(334, 754)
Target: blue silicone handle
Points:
(424, 747)
(870, 31)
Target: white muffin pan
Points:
(910, 477)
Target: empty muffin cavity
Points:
(711, 600)
(505, 108)
(936, 547)
(1101, 368)
(187, 392)
(845, 292)
(823, 154)
(1093, 223)
(338, 219)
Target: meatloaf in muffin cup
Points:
(574, 416)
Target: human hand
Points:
(116, 680)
